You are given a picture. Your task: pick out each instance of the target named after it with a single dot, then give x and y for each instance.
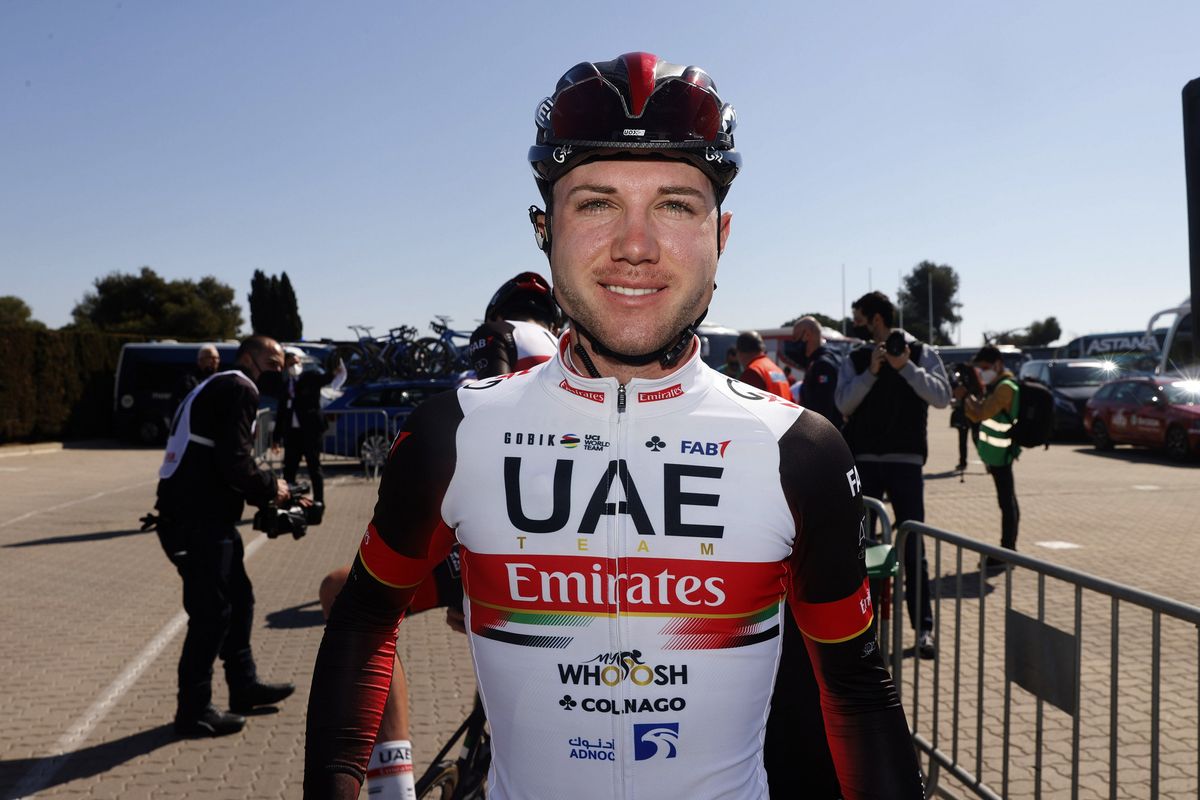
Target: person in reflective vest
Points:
(996, 412)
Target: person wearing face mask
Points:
(885, 394)
(820, 371)
(207, 476)
(995, 413)
(298, 422)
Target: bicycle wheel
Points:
(431, 357)
(439, 781)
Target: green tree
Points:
(913, 302)
(273, 309)
(825, 320)
(1039, 334)
(145, 304)
(16, 313)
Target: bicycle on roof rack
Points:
(444, 355)
(464, 777)
(397, 355)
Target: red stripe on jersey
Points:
(400, 437)
(556, 584)
(836, 621)
(397, 570)
(530, 361)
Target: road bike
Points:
(444, 355)
(464, 777)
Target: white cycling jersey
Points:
(627, 551)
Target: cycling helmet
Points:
(526, 294)
(636, 103)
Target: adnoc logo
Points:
(655, 740)
(569, 440)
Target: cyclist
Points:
(631, 522)
(518, 328)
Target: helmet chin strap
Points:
(667, 355)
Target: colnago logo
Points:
(587, 394)
(628, 705)
(610, 669)
(689, 447)
(655, 740)
(530, 439)
(602, 588)
(662, 394)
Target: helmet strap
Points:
(667, 356)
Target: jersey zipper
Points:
(619, 551)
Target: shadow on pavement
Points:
(77, 538)
(947, 585)
(1137, 455)
(85, 763)
(305, 615)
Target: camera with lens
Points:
(895, 344)
(963, 374)
(293, 517)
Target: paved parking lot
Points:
(93, 625)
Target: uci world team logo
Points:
(655, 740)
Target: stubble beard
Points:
(609, 331)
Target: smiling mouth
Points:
(629, 291)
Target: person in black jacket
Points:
(207, 476)
(820, 371)
(298, 423)
(208, 361)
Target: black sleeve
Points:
(354, 665)
(864, 720)
(233, 448)
(493, 350)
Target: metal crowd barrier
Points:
(1056, 641)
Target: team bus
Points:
(1134, 351)
(1179, 354)
(148, 374)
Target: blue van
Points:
(148, 374)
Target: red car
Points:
(1150, 411)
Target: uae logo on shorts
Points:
(655, 740)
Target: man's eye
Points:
(592, 204)
(678, 207)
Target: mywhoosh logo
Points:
(688, 447)
(587, 394)
(610, 669)
(655, 444)
(655, 740)
(630, 705)
(662, 394)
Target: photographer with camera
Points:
(991, 398)
(207, 476)
(885, 389)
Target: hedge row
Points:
(57, 384)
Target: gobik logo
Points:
(655, 740)
(610, 669)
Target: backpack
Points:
(1035, 421)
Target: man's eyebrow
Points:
(683, 190)
(592, 187)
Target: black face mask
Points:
(802, 357)
(861, 332)
(207, 371)
(270, 383)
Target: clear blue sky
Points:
(375, 150)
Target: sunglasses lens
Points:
(592, 111)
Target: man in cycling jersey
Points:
(633, 525)
(519, 327)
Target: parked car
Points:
(1072, 381)
(1148, 411)
(364, 418)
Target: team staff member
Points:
(758, 369)
(208, 361)
(886, 400)
(299, 424)
(208, 474)
(821, 365)
(995, 413)
(600, 526)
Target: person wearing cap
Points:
(634, 526)
(299, 425)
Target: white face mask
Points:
(987, 376)
(294, 370)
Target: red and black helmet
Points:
(527, 294)
(635, 103)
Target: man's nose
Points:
(635, 241)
